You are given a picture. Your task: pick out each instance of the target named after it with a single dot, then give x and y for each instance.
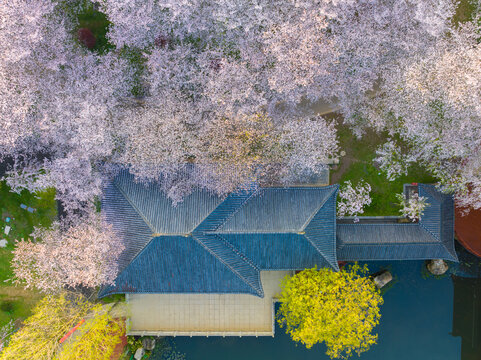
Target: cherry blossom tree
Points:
(340, 49)
(392, 160)
(27, 29)
(135, 23)
(433, 103)
(412, 208)
(56, 99)
(227, 151)
(73, 127)
(85, 253)
(353, 199)
(206, 69)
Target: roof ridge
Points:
(239, 232)
(379, 224)
(439, 208)
(245, 270)
(307, 230)
(314, 213)
(453, 254)
(421, 225)
(238, 252)
(104, 288)
(236, 200)
(227, 218)
(342, 245)
(137, 210)
(334, 265)
(433, 192)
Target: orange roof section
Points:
(468, 230)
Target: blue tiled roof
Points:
(126, 222)
(277, 210)
(177, 264)
(321, 227)
(431, 238)
(213, 245)
(270, 251)
(209, 244)
(158, 211)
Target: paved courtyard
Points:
(206, 314)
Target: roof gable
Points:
(278, 210)
(149, 202)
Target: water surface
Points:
(416, 324)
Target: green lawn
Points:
(22, 222)
(465, 11)
(358, 164)
(99, 25)
(16, 302)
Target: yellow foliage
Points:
(53, 317)
(338, 308)
(97, 338)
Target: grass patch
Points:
(358, 164)
(465, 11)
(97, 22)
(113, 298)
(15, 302)
(22, 222)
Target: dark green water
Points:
(416, 324)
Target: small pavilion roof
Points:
(430, 238)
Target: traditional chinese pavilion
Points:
(211, 265)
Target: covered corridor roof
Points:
(430, 238)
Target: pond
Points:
(417, 323)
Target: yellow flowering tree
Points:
(96, 338)
(52, 318)
(340, 309)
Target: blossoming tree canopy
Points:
(412, 208)
(353, 199)
(84, 254)
(196, 63)
(338, 308)
(433, 103)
